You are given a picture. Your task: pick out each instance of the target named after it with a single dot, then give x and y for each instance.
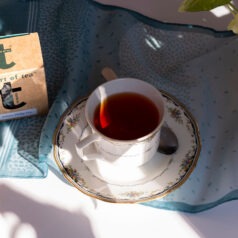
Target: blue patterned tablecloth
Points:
(196, 65)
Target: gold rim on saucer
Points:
(162, 175)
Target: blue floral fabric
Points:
(196, 65)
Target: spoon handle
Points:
(108, 74)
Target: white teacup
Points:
(123, 152)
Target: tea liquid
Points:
(126, 116)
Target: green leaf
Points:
(201, 5)
(233, 25)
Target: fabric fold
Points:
(196, 65)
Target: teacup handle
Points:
(88, 138)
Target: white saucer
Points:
(158, 177)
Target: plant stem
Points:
(232, 8)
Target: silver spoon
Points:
(168, 140)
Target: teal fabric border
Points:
(165, 25)
(183, 207)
